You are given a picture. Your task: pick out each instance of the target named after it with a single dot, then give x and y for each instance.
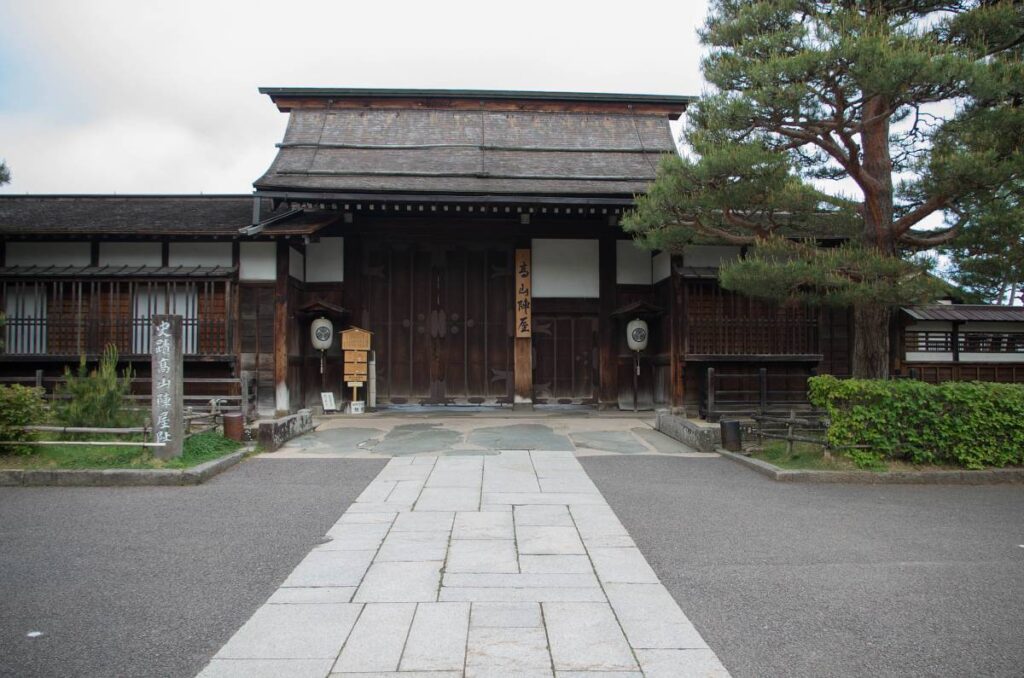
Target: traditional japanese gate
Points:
(441, 316)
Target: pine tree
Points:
(5, 173)
(823, 118)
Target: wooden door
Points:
(565, 350)
(441, 315)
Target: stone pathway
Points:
(388, 435)
(501, 565)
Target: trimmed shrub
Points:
(97, 398)
(19, 406)
(969, 424)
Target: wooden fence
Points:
(202, 395)
(746, 394)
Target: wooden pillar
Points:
(608, 373)
(675, 319)
(281, 400)
(523, 350)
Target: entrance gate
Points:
(441, 315)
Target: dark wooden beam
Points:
(523, 350)
(608, 386)
(281, 396)
(671, 110)
(675, 320)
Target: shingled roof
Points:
(147, 215)
(966, 312)
(357, 142)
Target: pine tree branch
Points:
(908, 220)
(929, 239)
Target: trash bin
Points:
(233, 426)
(732, 436)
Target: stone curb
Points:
(120, 477)
(986, 477)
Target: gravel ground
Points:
(831, 580)
(151, 581)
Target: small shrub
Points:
(97, 398)
(968, 424)
(19, 406)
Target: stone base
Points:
(274, 433)
(700, 436)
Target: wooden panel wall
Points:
(256, 327)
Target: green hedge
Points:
(969, 424)
(19, 406)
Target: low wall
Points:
(698, 435)
(273, 433)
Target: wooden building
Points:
(402, 212)
(960, 342)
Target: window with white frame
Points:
(165, 299)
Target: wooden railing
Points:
(752, 336)
(83, 317)
(928, 341)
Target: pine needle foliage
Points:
(96, 398)
(803, 273)
(857, 119)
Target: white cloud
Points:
(161, 96)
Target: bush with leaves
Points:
(96, 398)
(969, 424)
(19, 406)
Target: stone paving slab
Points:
(511, 564)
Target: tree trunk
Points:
(870, 341)
(870, 321)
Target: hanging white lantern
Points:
(321, 332)
(636, 334)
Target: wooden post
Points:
(166, 377)
(762, 375)
(675, 312)
(608, 359)
(789, 433)
(281, 400)
(711, 393)
(523, 350)
(955, 340)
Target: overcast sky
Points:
(130, 96)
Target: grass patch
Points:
(200, 448)
(805, 457)
(810, 457)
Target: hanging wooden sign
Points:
(524, 294)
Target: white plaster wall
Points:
(296, 264)
(257, 261)
(709, 255)
(565, 268)
(928, 357)
(662, 266)
(130, 254)
(48, 254)
(199, 254)
(991, 358)
(633, 264)
(325, 260)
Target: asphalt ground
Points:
(151, 581)
(830, 580)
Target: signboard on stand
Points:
(355, 343)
